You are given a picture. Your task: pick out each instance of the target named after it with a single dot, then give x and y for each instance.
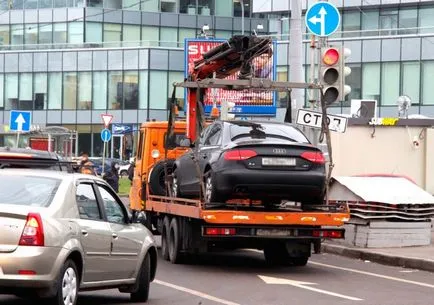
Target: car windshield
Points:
(27, 190)
(264, 131)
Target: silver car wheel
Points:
(208, 189)
(69, 286)
(174, 186)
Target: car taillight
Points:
(239, 154)
(33, 233)
(314, 156)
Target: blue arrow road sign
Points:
(20, 120)
(106, 135)
(322, 18)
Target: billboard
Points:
(247, 102)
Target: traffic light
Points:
(226, 108)
(333, 72)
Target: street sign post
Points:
(20, 121)
(322, 19)
(314, 119)
(105, 137)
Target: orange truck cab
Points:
(149, 168)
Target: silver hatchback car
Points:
(61, 233)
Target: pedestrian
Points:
(86, 166)
(131, 170)
(112, 176)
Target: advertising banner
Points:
(248, 102)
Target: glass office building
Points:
(69, 61)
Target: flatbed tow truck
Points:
(286, 232)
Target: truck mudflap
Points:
(263, 232)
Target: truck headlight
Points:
(155, 153)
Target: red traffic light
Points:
(331, 57)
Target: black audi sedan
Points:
(266, 161)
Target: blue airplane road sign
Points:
(20, 120)
(106, 135)
(322, 19)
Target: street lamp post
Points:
(242, 16)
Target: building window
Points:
(408, 21)
(131, 35)
(143, 90)
(179, 94)
(99, 90)
(2, 101)
(370, 23)
(168, 6)
(45, 33)
(17, 4)
(371, 81)
(59, 33)
(75, 32)
(224, 8)
(198, 7)
(55, 90)
(390, 79)
(115, 90)
(31, 34)
(93, 32)
(130, 89)
(158, 90)
(388, 22)
(112, 32)
(411, 81)
(151, 6)
(150, 36)
(169, 37)
(40, 90)
(70, 90)
(17, 36)
(354, 80)
(59, 3)
(131, 5)
(45, 3)
(11, 90)
(85, 90)
(282, 76)
(25, 96)
(426, 20)
(4, 35)
(427, 78)
(185, 33)
(238, 8)
(351, 24)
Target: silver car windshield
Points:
(28, 190)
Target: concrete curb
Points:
(381, 258)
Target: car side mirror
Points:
(138, 217)
(185, 143)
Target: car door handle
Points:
(114, 235)
(84, 232)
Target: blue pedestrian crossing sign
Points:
(322, 19)
(106, 135)
(20, 120)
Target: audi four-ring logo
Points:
(279, 150)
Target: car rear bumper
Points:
(40, 264)
(294, 184)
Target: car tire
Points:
(211, 194)
(165, 238)
(174, 242)
(174, 185)
(143, 281)
(68, 276)
(276, 255)
(157, 185)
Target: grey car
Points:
(62, 232)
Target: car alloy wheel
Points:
(69, 286)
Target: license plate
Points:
(278, 161)
(274, 232)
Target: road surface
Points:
(241, 278)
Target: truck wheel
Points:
(276, 255)
(165, 238)
(299, 261)
(142, 281)
(157, 184)
(174, 242)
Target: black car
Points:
(32, 158)
(265, 161)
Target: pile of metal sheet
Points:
(383, 198)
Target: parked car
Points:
(258, 160)
(123, 169)
(61, 233)
(32, 158)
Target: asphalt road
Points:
(241, 278)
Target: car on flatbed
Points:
(266, 161)
(61, 233)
